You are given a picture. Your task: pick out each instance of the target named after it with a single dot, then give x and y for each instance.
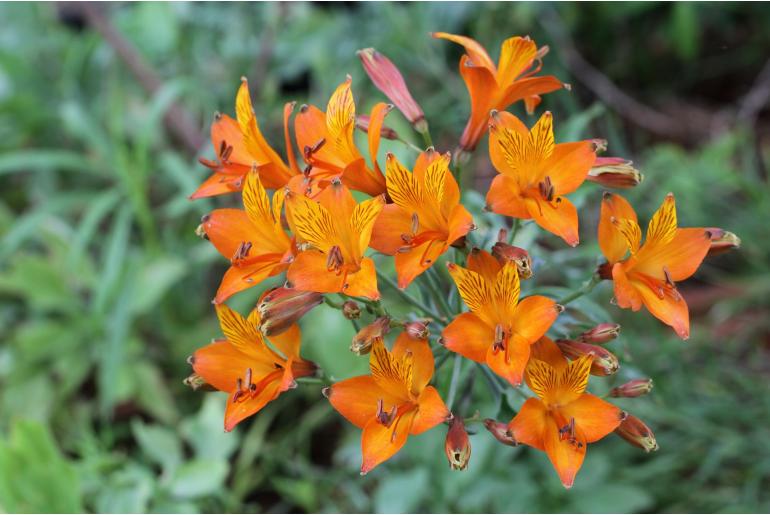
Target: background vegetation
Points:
(105, 288)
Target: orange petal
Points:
(379, 443)
(431, 411)
(218, 184)
(422, 359)
(418, 259)
(235, 412)
(239, 278)
(357, 398)
(310, 129)
(392, 222)
(482, 87)
(681, 257)
(362, 221)
(569, 165)
(671, 309)
(546, 350)
(626, 294)
(475, 51)
(226, 132)
(566, 457)
(364, 282)
(559, 217)
(529, 424)
(469, 336)
(504, 198)
(460, 223)
(525, 88)
(662, 226)
(227, 229)
(484, 264)
(595, 417)
(357, 176)
(244, 335)
(533, 316)
(288, 108)
(510, 363)
(288, 342)
(611, 241)
(376, 119)
(308, 272)
(221, 364)
(573, 381)
(516, 56)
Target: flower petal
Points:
(392, 222)
(357, 398)
(566, 457)
(526, 88)
(221, 364)
(475, 51)
(559, 217)
(364, 282)
(504, 198)
(533, 316)
(671, 309)
(469, 336)
(236, 411)
(243, 277)
(418, 259)
(681, 257)
(594, 417)
(516, 55)
(422, 359)
(626, 294)
(308, 272)
(530, 423)
(511, 362)
(431, 411)
(380, 443)
(218, 184)
(474, 289)
(611, 241)
(569, 165)
(484, 264)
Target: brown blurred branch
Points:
(179, 122)
(757, 97)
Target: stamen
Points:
(248, 378)
(415, 223)
(242, 252)
(546, 188)
(334, 259)
(227, 153)
(222, 148)
(383, 417)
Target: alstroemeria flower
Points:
(425, 217)
(647, 273)
(240, 147)
(536, 173)
(327, 143)
(563, 418)
(337, 230)
(497, 87)
(499, 329)
(393, 402)
(253, 239)
(252, 372)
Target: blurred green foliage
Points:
(105, 288)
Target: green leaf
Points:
(402, 493)
(198, 478)
(159, 444)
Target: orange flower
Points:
(327, 143)
(253, 240)
(563, 419)
(336, 232)
(425, 218)
(497, 87)
(499, 329)
(647, 273)
(393, 402)
(240, 146)
(243, 364)
(536, 173)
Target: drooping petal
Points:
(626, 293)
(364, 282)
(523, 89)
(218, 184)
(221, 364)
(612, 243)
(357, 399)
(417, 260)
(380, 443)
(475, 51)
(595, 417)
(504, 198)
(482, 87)
(431, 411)
(529, 424)
(469, 336)
(242, 277)
(422, 359)
(680, 257)
(566, 457)
(269, 389)
(558, 216)
(510, 362)
(669, 307)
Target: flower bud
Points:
(633, 388)
(417, 330)
(365, 338)
(500, 431)
(602, 333)
(389, 80)
(362, 123)
(282, 307)
(636, 432)
(351, 310)
(722, 241)
(605, 363)
(520, 257)
(457, 445)
(615, 172)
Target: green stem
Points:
(514, 230)
(426, 137)
(408, 298)
(331, 303)
(491, 379)
(410, 145)
(583, 290)
(436, 292)
(454, 382)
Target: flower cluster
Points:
(330, 207)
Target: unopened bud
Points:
(615, 172)
(602, 333)
(457, 445)
(351, 310)
(197, 382)
(365, 338)
(282, 307)
(417, 330)
(633, 388)
(604, 363)
(501, 432)
(363, 121)
(722, 241)
(389, 80)
(520, 257)
(636, 432)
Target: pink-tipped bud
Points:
(417, 330)
(501, 432)
(365, 338)
(602, 333)
(282, 307)
(362, 123)
(615, 172)
(604, 363)
(351, 310)
(636, 432)
(389, 80)
(633, 388)
(520, 257)
(457, 444)
(722, 241)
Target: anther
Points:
(334, 259)
(242, 252)
(415, 223)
